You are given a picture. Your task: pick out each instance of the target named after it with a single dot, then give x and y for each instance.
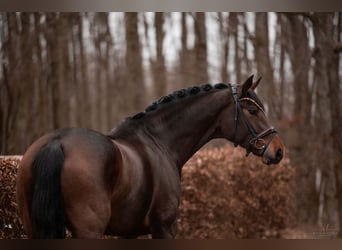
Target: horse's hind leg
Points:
(86, 202)
(86, 223)
(88, 215)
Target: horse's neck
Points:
(186, 127)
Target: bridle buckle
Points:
(258, 143)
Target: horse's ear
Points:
(256, 83)
(247, 85)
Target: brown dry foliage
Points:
(225, 195)
(228, 195)
(10, 226)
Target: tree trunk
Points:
(102, 41)
(299, 55)
(200, 50)
(324, 67)
(56, 35)
(159, 71)
(327, 66)
(10, 89)
(300, 61)
(185, 57)
(134, 87)
(246, 41)
(281, 39)
(44, 117)
(223, 26)
(263, 62)
(234, 33)
(83, 88)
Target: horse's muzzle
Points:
(274, 152)
(273, 160)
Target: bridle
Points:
(257, 141)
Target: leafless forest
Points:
(94, 69)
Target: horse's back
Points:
(85, 177)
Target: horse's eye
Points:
(253, 111)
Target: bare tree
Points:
(224, 34)
(135, 89)
(323, 56)
(327, 61)
(158, 65)
(263, 61)
(200, 49)
(103, 44)
(10, 90)
(233, 27)
(295, 29)
(83, 84)
(185, 55)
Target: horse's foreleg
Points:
(164, 230)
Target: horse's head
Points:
(251, 127)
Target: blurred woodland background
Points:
(94, 69)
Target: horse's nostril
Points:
(279, 154)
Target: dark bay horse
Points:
(128, 183)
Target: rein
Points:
(257, 141)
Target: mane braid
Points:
(180, 93)
(206, 87)
(177, 95)
(193, 90)
(220, 86)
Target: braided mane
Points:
(177, 95)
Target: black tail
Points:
(48, 218)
